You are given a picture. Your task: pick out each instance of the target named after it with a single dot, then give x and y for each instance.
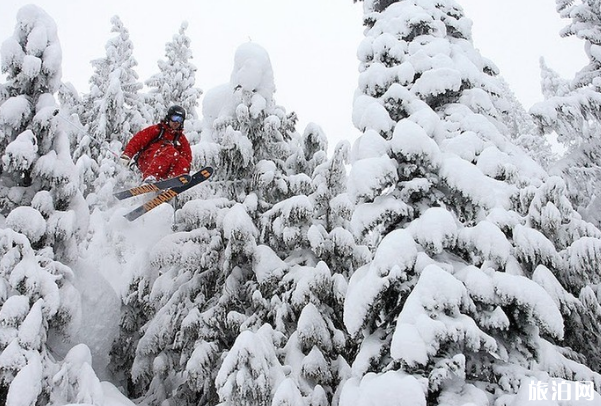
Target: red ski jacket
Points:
(146, 144)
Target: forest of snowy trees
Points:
(445, 257)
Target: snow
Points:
(487, 240)
(312, 329)
(30, 332)
(434, 314)
(238, 225)
(27, 274)
(14, 310)
(307, 280)
(31, 66)
(523, 291)
(14, 110)
(466, 177)
(252, 72)
(370, 145)
(383, 207)
(27, 385)
(267, 264)
(392, 388)
(478, 282)
(368, 114)
(438, 81)
(396, 254)
(95, 328)
(371, 176)
(435, 230)
(411, 140)
(77, 378)
(250, 369)
(287, 394)
(21, 154)
(113, 397)
(41, 42)
(533, 246)
(13, 357)
(581, 256)
(315, 366)
(27, 221)
(375, 78)
(198, 366)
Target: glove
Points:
(125, 161)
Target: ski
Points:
(152, 187)
(168, 194)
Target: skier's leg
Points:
(179, 166)
(161, 163)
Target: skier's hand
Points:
(125, 161)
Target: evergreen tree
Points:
(46, 217)
(113, 108)
(469, 292)
(521, 128)
(31, 61)
(38, 170)
(551, 83)
(586, 25)
(311, 232)
(72, 110)
(572, 111)
(175, 82)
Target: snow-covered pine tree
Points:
(310, 231)
(573, 111)
(521, 128)
(31, 61)
(244, 132)
(37, 167)
(468, 296)
(38, 300)
(551, 83)
(46, 217)
(586, 25)
(113, 107)
(329, 236)
(72, 109)
(302, 213)
(174, 84)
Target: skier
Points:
(160, 151)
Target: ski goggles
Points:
(177, 119)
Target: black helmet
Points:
(176, 111)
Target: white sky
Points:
(312, 44)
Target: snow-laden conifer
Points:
(311, 231)
(113, 107)
(176, 80)
(38, 301)
(460, 220)
(37, 168)
(571, 110)
(585, 24)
